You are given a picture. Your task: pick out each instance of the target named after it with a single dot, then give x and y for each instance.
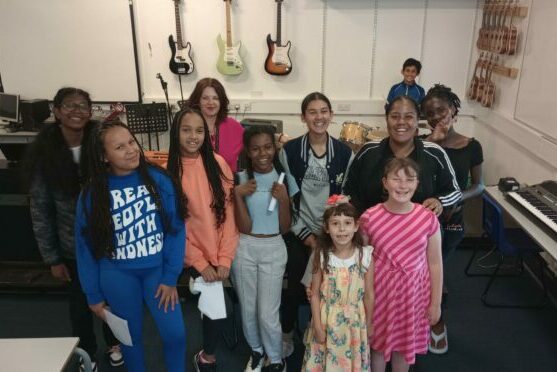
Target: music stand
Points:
(147, 118)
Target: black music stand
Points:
(147, 118)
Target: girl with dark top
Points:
(440, 108)
(318, 162)
(54, 176)
(437, 188)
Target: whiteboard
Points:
(45, 45)
(537, 103)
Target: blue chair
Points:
(512, 242)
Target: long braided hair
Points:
(445, 94)
(213, 170)
(99, 230)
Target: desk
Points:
(17, 137)
(546, 240)
(18, 240)
(39, 354)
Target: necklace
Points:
(215, 138)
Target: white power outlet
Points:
(343, 107)
(247, 107)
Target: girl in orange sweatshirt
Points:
(212, 238)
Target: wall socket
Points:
(247, 107)
(343, 107)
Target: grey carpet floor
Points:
(480, 338)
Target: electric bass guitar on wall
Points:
(278, 60)
(181, 62)
(229, 62)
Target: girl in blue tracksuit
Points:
(130, 240)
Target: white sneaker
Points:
(287, 344)
(93, 366)
(115, 356)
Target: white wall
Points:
(513, 147)
(351, 49)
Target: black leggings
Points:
(295, 293)
(213, 329)
(81, 316)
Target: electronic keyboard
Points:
(540, 200)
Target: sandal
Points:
(436, 338)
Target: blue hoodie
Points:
(416, 92)
(139, 237)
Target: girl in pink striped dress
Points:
(408, 269)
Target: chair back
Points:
(492, 221)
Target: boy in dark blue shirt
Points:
(408, 87)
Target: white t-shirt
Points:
(335, 261)
(76, 152)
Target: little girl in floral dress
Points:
(341, 294)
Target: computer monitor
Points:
(9, 107)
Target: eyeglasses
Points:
(81, 107)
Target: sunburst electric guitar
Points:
(278, 60)
(229, 62)
(181, 62)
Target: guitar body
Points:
(480, 91)
(513, 41)
(278, 59)
(473, 90)
(503, 41)
(229, 61)
(488, 95)
(181, 62)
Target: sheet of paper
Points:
(211, 299)
(119, 327)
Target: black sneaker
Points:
(255, 362)
(275, 367)
(203, 367)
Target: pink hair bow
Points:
(337, 199)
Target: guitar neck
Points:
(279, 21)
(178, 24)
(228, 25)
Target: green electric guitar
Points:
(229, 62)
